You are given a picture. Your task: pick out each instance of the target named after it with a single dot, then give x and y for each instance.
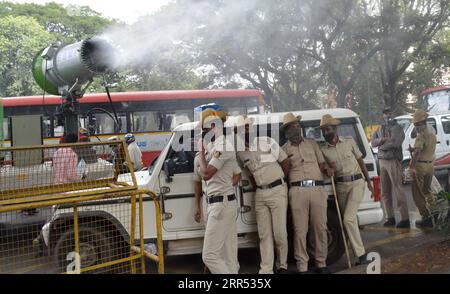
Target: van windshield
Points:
(348, 127)
(152, 165)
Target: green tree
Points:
(70, 24)
(20, 38)
(408, 57)
(259, 41)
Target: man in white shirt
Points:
(134, 152)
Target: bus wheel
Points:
(335, 242)
(94, 247)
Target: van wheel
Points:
(94, 246)
(335, 242)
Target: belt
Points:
(349, 178)
(307, 183)
(424, 161)
(219, 198)
(273, 184)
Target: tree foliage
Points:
(303, 54)
(70, 24)
(20, 37)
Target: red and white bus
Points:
(149, 115)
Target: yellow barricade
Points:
(73, 208)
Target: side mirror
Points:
(169, 168)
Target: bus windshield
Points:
(437, 100)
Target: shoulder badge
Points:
(217, 154)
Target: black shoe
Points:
(390, 222)
(363, 260)
(404, 224)
(303, 273)
(424, 223)
(281, 271)
(323, 271)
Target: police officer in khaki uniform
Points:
(268, 166)
(345, 163)
(422, 169)
(307, 196)
(217, 166)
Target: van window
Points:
(431, 122)
(446, 123)
(183, 159)
(344, 130)
(348, 127)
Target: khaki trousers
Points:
(309, 210)
(350, 195)
(220, 243)
(271, 214)
(391, 184)
(421, 189)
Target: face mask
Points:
(294, 137)
(329, 137)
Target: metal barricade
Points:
(73, 208)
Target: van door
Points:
(178, 199)
(445, 138)
(440, 147)
(246, 195)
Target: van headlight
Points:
(45, 231)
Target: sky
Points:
(127, 11)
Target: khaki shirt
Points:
(198, 176)
(342, 157)
(304, 160)
(262, 160)
(426, 143)
(226, 164)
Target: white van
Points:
(171, 178)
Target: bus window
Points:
(46, 127)
(147, 121)
(6, 129)
(59, 131)
(438, 100)
(177, 118)
(252, 110)
(233, 111)
(104, 124)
